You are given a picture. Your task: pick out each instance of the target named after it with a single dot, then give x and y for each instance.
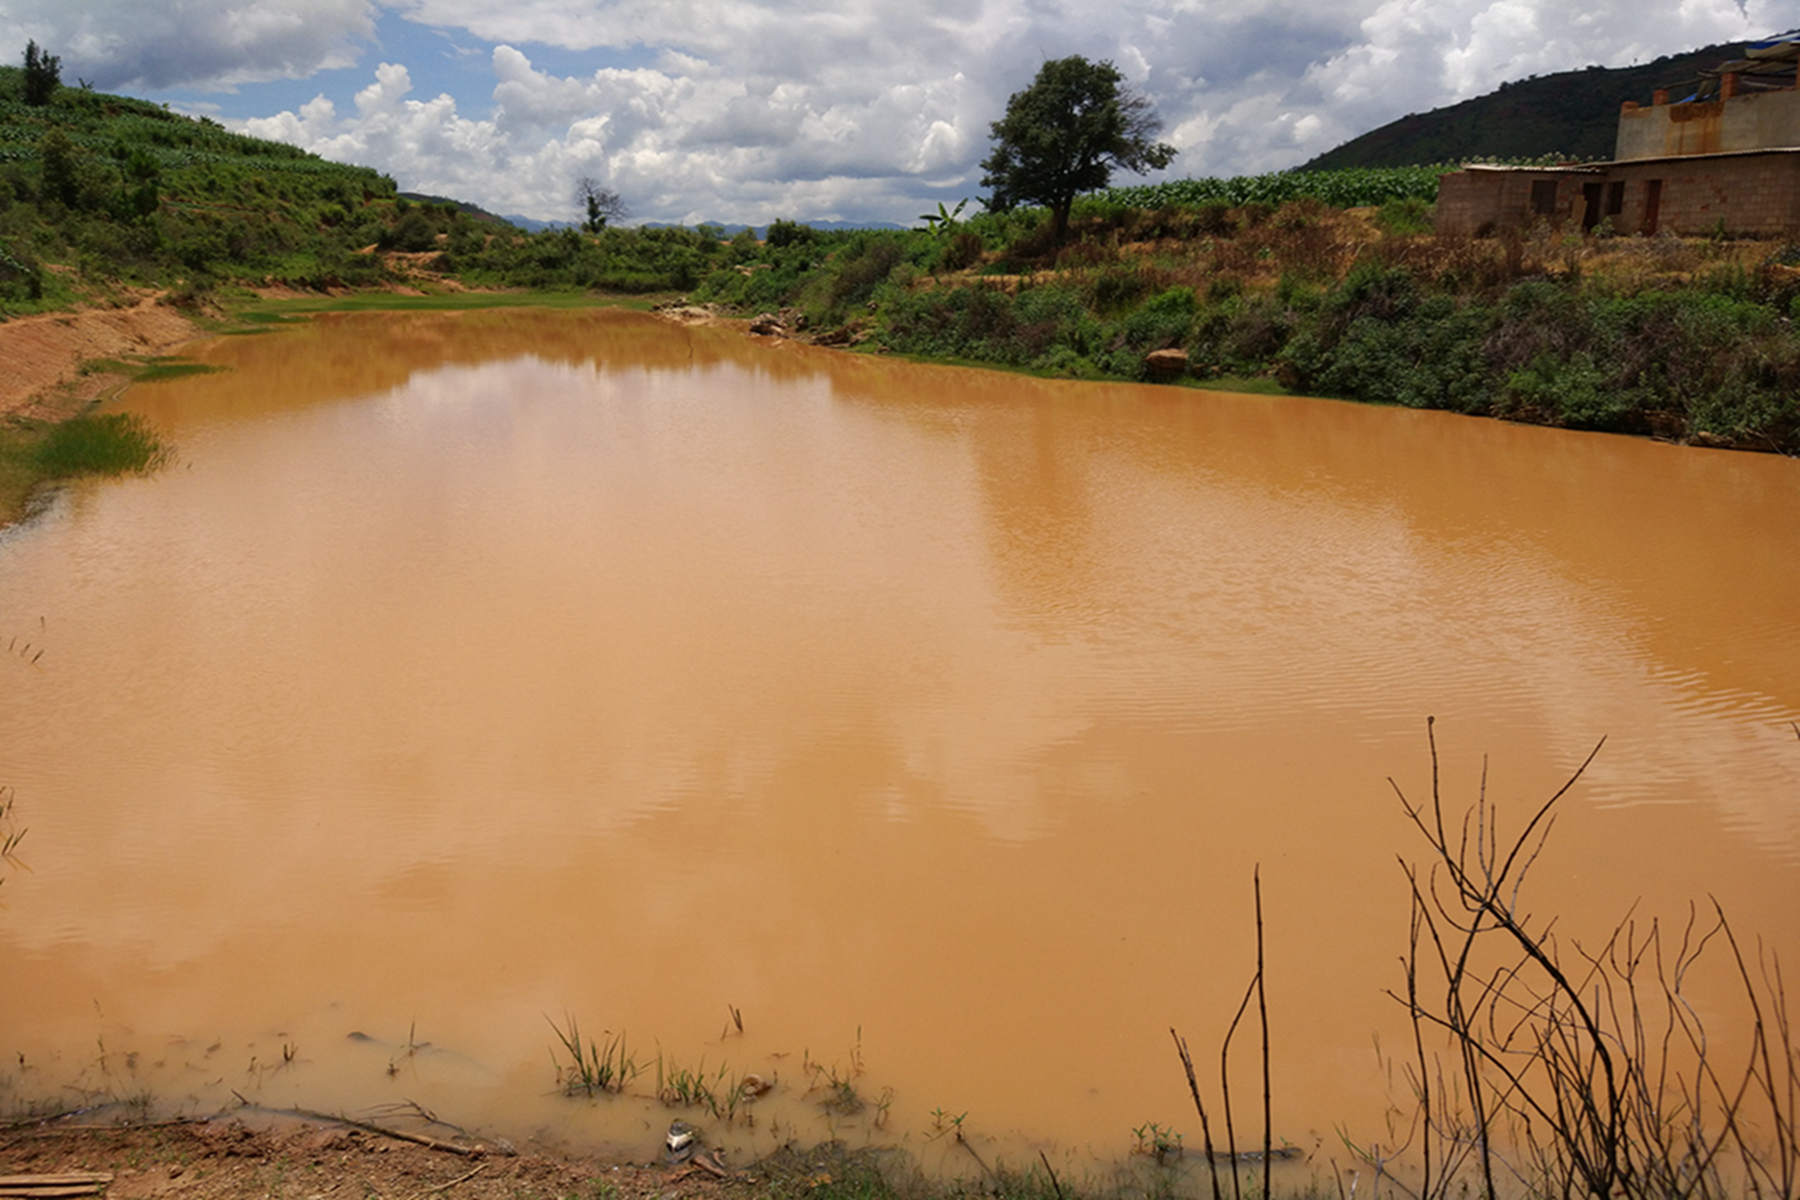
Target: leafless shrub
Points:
(1582, 1070)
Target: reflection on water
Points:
(471, 668)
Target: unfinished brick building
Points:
(1725, 159)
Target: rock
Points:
(1166, 364)
(768, 324)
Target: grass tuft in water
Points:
(594, 1067)
(100, 444)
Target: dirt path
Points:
(41, 356)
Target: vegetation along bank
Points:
(1323, 282)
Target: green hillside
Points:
(111, 189)
(1573, 114)
(99, 192)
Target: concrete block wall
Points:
(1477, 202)
(1756, 121)
(1753, 195)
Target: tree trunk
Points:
(1059, 220)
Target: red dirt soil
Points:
(41, 356)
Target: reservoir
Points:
(906, 735)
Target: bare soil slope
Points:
(42, 354)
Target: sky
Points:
(850, 110)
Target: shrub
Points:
(20, 276)
(789, 233)
(1214, 219)
(962, 251)
(1164, 321)
(1405, 216)
(1052, 318)
(973, 322)
(1255, 333)
(1116, 288)
(1573, 390)
(413, 232)
(58, 155)
(1429, 357)
(854, 272)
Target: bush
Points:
(1573, 390)
(962, 251)
(1405, 217)
(789, 233)
(58, 155)
(1430, 359)
(854, 273)
(1117, 288)
(413, 232)
(1214, 219)
(973, 323)
(1163, 322)
(20, 276)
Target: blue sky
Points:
(749, 110)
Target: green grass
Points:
(162, 366)
(594, 1067)
(102, 444)
(34, 453)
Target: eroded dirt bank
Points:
(43, 354)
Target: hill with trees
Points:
(1571, 114)
(110, 187)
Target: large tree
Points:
(43, 72)
(600, 204)
(1065, 134)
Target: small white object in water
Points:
(681, 1142)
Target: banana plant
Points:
(944, 219)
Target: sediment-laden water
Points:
(468, 670)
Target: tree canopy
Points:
(600, 204)
(1065, 134)
(43, 72)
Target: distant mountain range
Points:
(1574, 114)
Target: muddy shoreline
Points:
(231, 1158)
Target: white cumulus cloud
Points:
(119, 45)
(754, 109)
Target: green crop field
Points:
(1349, 188)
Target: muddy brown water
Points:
(468, 669)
